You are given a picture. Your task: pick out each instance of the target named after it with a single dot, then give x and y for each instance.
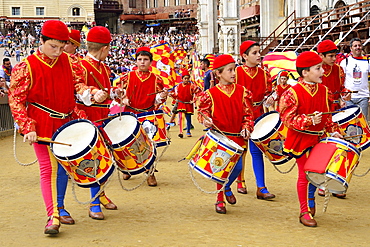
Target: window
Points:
(16, 10)
(166, 3)
(147, 4)
(188, 1)
(76, 11)
(132, 4)
(40, 11)
(177, 2)
(155, 4)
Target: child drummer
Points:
(306, 97)
(229, 107)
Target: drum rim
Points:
(206, 174)
(150, 113)
(273, 130)
(85, 150)
(98, 182)
(343, 142)
(237, 149)
(349, 117)
(142, 169)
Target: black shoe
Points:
(181, 135)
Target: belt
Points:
(94, 105)
(309, 132)
(52, 113)
(184, 102)
(140, 110)
(231, 134)
(257, 103)
(336, 101)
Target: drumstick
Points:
(347, 92)
(209, 120)
(50, 141)
(155, 92)
(354, 136)
(97, 81)
(103, 119)
(329, 112)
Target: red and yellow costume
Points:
(42, 100)
(334, 78)
(280, 89)
(185, 97)
(141, 87)
(101, 72)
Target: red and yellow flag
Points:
(163, 63)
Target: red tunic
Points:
(255, 80)
(295, 104)
(334, 79)
(102, 73)
(230, 107)
(185, 96)
(280, 89)
(138, 86)
(51, 83)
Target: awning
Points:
(249, 12)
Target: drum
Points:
(269, 136)
(154, 124)
(216, 157)
(88, 161)
(334, 160)
(132, 149)
(353, 123)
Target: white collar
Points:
(94, 58)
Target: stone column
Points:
(229, 33)
(207, 26)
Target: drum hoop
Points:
(340, 141)
(206, 174)
(142, 169)
(103, 179)
(273, 130)
(85, 150)
(349, 117)
(237, 149)
(150, 113)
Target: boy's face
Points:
(329, 58)
(52, 48)
(143, 63)
(228, 74)
(314, 74)
(186, 79)
(253, 58)
(283, 80)
(70, 47)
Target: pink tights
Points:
(48, 177)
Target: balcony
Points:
(108, 6)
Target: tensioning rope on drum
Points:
(327, 194)
(285, 172)
(362, 175)
(200, 188)
(15, 153)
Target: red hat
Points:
(75, 37)
(284, 73)
(143, 48)
(245, 45)
(99, 34)
(185, 72)
(222, 60)
(308, 59)
(55, 29)
(326, 45)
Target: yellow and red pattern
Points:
(214, 161)
(163, 64)
(101, 159)
(197, 74)
(158, 132)
(137, 155)
(277, 61)
(179, 54)
(211, 58)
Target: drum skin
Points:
(269, 135)
(332, 161)
(88, 161)
(216, 157)
(353, 123)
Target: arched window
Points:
(314, 10)
(76, 11)
(339, 4)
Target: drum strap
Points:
(52, 113)
(257, 103)
(140, 110)
(309, 132)
(184, 102)
(231, 134)
(95, 105)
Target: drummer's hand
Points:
(269, 101)
(245, 134)
(208, 122)
(346, 96)
(316, 119)
(31, 137)
(164, 94)
(337, 135)
(126, 101)
(100, 96)
(342, 104)
(120, 93)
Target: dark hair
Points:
(46, 38)
(248, 50)
(6, 59)
(354, 40)
(144, 53)
(331, 51)
(206, 62)
(300, 70)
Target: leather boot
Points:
(52, 225)
(95, 216)
(151, 181)
(126, 176)
(106, 202)
(68, 220)
(310, 223)
(242, 190)
(341, 196)
(264, 196)
(230, 199)
(220, 207)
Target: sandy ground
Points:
(176, 213)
